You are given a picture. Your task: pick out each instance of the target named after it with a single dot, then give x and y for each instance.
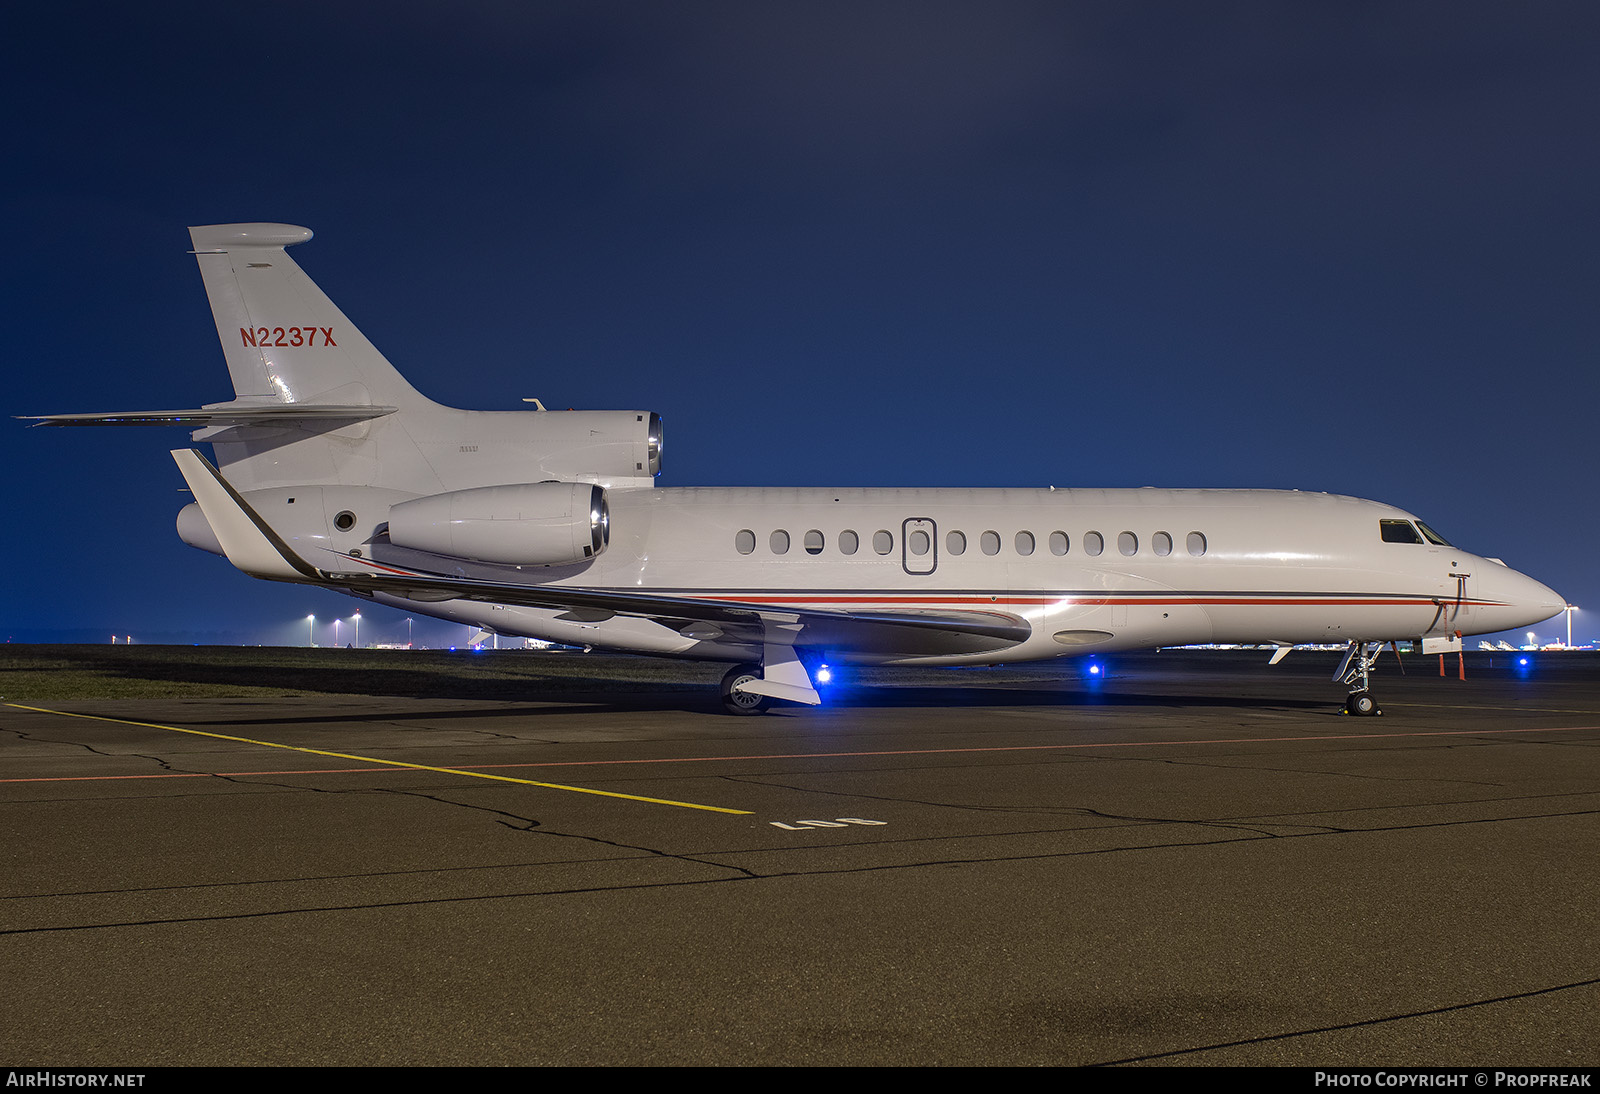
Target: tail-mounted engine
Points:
(526, 524)
(611, 447)
(522, 524)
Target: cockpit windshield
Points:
(1434, 537)
(1398, 531)
(1402, 531)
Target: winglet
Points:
(246, 539)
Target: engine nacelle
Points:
(525, 524)
(615, 448)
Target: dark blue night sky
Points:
(1334, 246)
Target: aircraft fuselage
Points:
(1086, 570)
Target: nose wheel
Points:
(1362, 703)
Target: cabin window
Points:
(744, 542)
(779, 541)
(918, 542)
(990, 542)
(813, 542)
(1058, 543)
(1197, 544)
(882, 542)
(849, 542)
(1093, 543)
(1161, 543)
(1024, 543)
(1128, 544)
(956, 543)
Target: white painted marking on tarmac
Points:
(839, 822)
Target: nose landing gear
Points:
(1354, 670)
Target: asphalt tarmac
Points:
(1198, 860)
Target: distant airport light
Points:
(311, 631)
(824, 674)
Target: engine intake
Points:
(524, 524)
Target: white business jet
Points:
(332, 470)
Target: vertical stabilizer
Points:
(283, 339)
(285, 342)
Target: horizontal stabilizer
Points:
(221, 415)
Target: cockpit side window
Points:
(1398, 531)
(1434, 537)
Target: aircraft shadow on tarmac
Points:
(577, 700)
(573, 683)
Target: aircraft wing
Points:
(252, 546)
(708, 618)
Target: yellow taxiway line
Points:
(387, 763)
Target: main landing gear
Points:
(1354, 670)
(750, 688)
(743, 702)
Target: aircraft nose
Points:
(1532, 600)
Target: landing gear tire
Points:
(1361, 703)
(742, 702)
